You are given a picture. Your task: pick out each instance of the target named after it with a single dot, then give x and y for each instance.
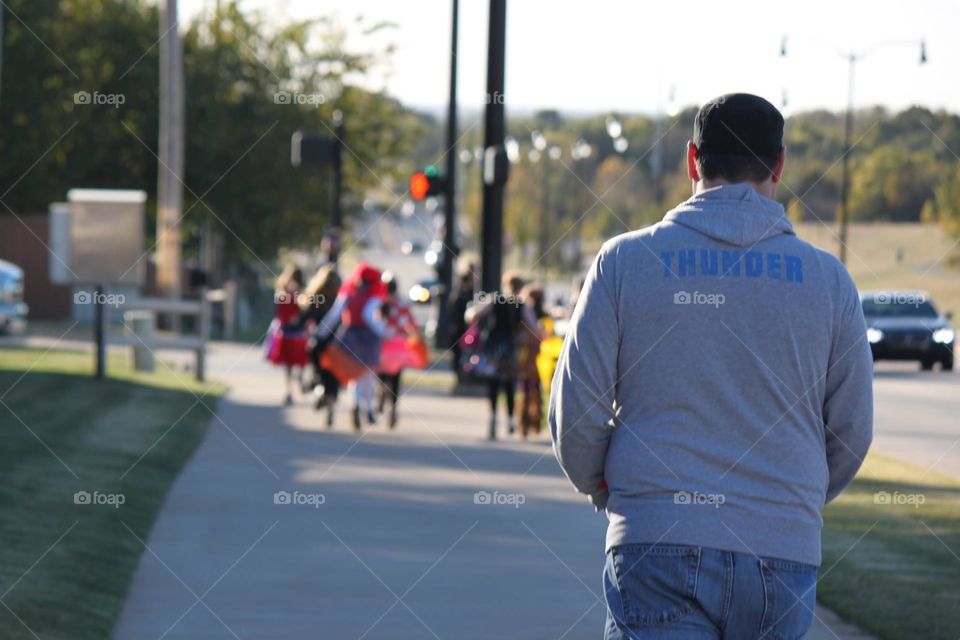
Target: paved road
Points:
(917, 416)
(398, 549)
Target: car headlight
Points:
(419, 293)
(874, 335)
(943, 336)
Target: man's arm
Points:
(848, 403)
(584, 385)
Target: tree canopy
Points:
(249, 85)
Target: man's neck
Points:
(765, 189)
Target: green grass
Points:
(888, 255)
(893, 569)
(65, 568)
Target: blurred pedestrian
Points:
(399, 328)
(288, 343)
(535, 324)
(357, 309)
(499, 316)
(463, 296)
(675, 404)
(316, 302)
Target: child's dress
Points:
(289, 342)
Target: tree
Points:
(944, 207)
(56, 135)
(249, 87)
(239, 69)
(893, 183)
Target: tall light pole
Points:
(539, 142)
(852, 57)
(845, 175)
(450, 248)
(494, 156)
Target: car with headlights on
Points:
(905, 325)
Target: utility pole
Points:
(494, 157)
(170, 169)
(450, 248)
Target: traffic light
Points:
(427, 183)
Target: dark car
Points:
(904, 325)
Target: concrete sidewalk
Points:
(428, 531)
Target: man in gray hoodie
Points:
(713, 393)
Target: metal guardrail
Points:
(151, 342)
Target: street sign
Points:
(495, 166)
(313, 149)
(106, 236)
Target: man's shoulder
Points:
(830, 265)
(658, 231)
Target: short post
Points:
(142, 324)
(99, 333)
(203, 329)
(230, 310)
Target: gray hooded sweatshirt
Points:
(715, 383)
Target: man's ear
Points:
(778, 169)
(692, 161)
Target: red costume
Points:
(289, 345)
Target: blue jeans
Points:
(692, 593)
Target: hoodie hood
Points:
(732, 213)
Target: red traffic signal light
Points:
(426, 183)
(419, 185)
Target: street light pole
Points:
(843, 216)
(336, 218)
(450, 250)
(494, 157)
(845, 179)
(543, 238)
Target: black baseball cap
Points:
(738, 124)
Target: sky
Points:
(622, 56)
